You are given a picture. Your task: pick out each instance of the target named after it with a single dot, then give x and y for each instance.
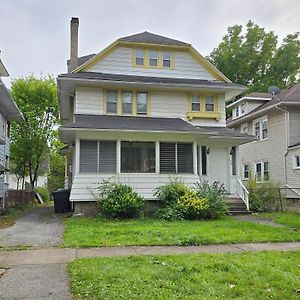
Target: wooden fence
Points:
(19, 197)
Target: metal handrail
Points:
(242, 192)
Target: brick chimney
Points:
(74, 45)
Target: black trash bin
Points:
(62, 203)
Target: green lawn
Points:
(290, 219)
(265, 275)
(93, 232)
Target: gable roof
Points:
(151, 38)
(144, 38)
(289, 96)
(83, 59)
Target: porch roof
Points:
(149, 124)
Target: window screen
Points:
(107, 157)
(167, 158)
(184, 158)
(88, 156)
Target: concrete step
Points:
(239, 212)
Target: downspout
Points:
(287, 134)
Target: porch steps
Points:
(236, 206)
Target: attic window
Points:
(139, 57)
(195, 103)
(209, 103)
(153, 58)
(166, 59)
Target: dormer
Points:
(247, 104)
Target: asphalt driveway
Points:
(40, 227)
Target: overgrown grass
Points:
(10, 215)
(93, 232)
(265, 275)
(290, 219)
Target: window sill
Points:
(204, 115)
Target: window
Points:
(176, 158)
(111, 101)
(244, 128)
(261, 129)
(257, 129)
(262, 171)
(97, 156)
(233, 158)
(203, 160)
(264, 129)
(237, 112)
(141, 103)
(127, 102)
(246, 172)
(139, 57)
(209, 103)
(266, 171)
(138, 157)
(196, 103)
(153, 58)
(296, 163)
(242, 108)
(166, 59)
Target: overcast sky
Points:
(34, 34)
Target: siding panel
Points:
(120, 62)
(89, 101)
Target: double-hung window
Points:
(166, 56)
(262, 171)
(139, 57)
(127, 102)
(237, 111)
(176, 158)
(242, 108)
(209, 103)
(153, 58)
(261, 128)
(246, 171)
(196, 103)
(244, 128)
(141, 103)
(111, 101)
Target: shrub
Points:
(215, 195)
(43, 191)
(169, 213)
(118, 200)
(171, 192)
(263, 196)
(191, 206)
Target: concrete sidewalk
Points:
(46, 256)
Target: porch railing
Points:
(242, 192)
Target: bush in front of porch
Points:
(205, 201)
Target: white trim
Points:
(157, 157)
(118, 160)
(195, 162)
(260, 120)
(77, 155)
(247, 98)
(294, 162)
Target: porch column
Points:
(195, 162)
(118, 156)
(157, 150)
(77, 155)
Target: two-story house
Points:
(144, 110)
(8, 112)
(275, 121)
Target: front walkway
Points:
(46, 256)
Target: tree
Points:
(253, 59)
(56, 174)
(37, 100)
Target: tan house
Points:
(142, 111)
(275, 121)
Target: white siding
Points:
(294, 127)
(120, 62)
(89, 101)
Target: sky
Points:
(35, 34)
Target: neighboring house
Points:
(144, 110)
(8, 112)
(275, 121)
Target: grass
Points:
(10, 215)
(265, 275)
(290, 219)
(93, 232)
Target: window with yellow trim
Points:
(209, 103)
(153, 58)
(196, 101)
(126, 102)
(140, 57)
(166, 59)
